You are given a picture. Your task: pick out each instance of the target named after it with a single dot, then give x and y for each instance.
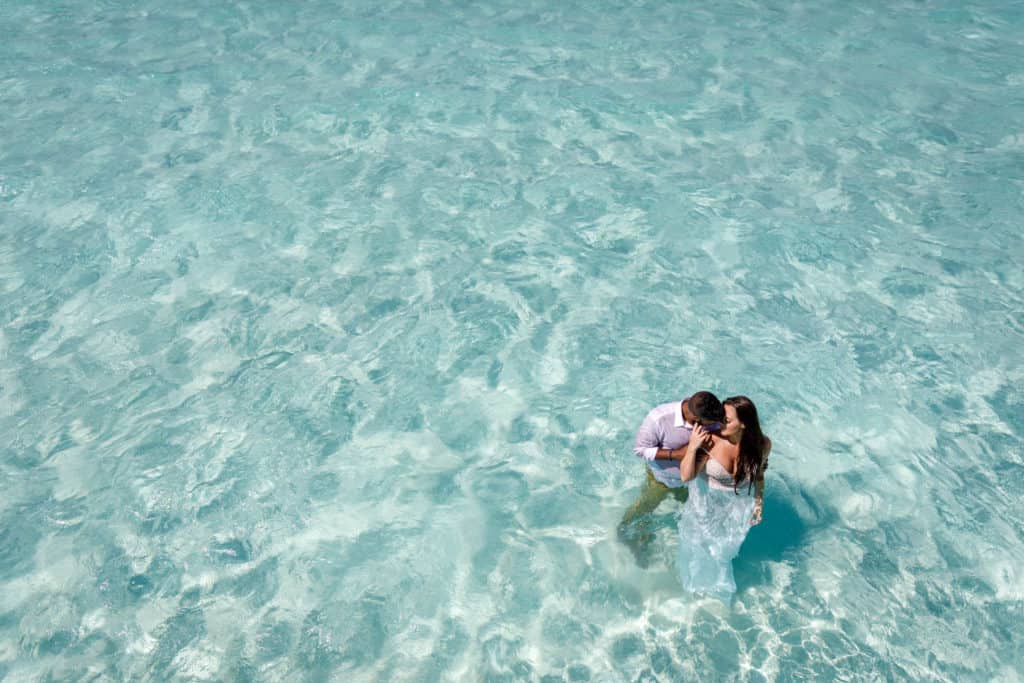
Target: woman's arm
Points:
(755, 518)
(691, 463)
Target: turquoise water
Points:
(326, 328)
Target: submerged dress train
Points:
(712, 526)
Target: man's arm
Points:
(648, 442)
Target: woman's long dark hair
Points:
(753, 444)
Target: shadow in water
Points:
(781, 533)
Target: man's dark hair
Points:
(705, 406)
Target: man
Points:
(661, 442)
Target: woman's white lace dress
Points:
(712, 526)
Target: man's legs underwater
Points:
(633, 530)
(650, 498)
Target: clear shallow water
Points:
(326, 331)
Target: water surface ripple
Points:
(326, 328)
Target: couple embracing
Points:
(711, 455)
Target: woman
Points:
(727, 469)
